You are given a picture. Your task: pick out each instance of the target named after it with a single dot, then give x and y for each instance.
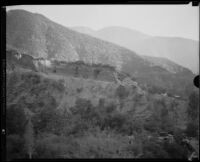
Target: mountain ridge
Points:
(184, 53)
(40, 37)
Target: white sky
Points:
(157, 20)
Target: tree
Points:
(15, 120)
(96, 73)
(192, 129)
(44, 120)
(121, 92)
(29, 138)
(193, 106)
(192, 112)
(173, 107)
(76, 71)
(14, 147)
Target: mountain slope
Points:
(180, 50)
(119, 35)
(39, 37)
(165, 63)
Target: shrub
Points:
(151, 125)
(15, 120)
(101, 102)
(76, 71)
(12, 79)
(81, 106)
(58, 85)
(115, 121)
(96, 73)
(53, 146)
(121, 92)
(154, 150)
(192, 129)
(175, 150)
(103, 144)
(31, 77)
(47, 119)
(83, 116)
(178, 135)
(156, 89)
(79, 90)
(29, 139)
(193, 106)
(14, 147)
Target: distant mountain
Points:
(179, 50)
(165, 63)
(39, 37)
(119, 35)
(184, 52)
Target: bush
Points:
(96, 73)
(14, 147)
(31, 77)
(192, 129)
(175, 150)
(83, 116)
(15, 120)
(12, 79)
(154, 150)
(76, 71)
(82, 106)
(115, 121)
(103, 144)
(156, 90)
(47, 119)
(76, 126)
(79, 90)
(151, 125)
(193, 106)
(178, 136)
(121, 92)
(53, 146)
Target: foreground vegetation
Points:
(37, 129)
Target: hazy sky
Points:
(157, 20)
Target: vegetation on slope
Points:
(84, 130)
(38, 36)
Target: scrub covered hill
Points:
(39, 37)
(71, 116)
(73, 96)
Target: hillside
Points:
(40, 37)
(179, 50)
(182, 51)
(76, 113)
(94, 82)
(165, 63)
(37, 36)
(70, 95)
